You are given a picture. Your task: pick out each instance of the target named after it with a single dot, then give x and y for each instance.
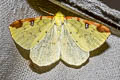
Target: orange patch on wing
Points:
(16, 24)
(91, 22)
(100, 27)
(68, 17)
(28, 19)
(50, 17)
(19, 23)
(103, 28)
(78, 19)
(40, 17)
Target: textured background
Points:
(104, 63)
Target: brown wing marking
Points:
(20, 22)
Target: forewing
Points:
(47, 51)
(71, 53)
(27, 32)
(86, 34)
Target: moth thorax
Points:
(59, 18)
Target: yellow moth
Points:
(51, 38)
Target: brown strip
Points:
(50, 17)
(28, 19)
(19, 23)
(40, 17)
(68, 17)
(91, 22)
(78, 19)
(103, 28)
(100, 27)
(16, 24)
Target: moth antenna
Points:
(46, 12)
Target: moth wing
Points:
(47, 51)
(27, 32)
(71, 52)
(87, 35)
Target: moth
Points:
(51, 38)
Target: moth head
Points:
(59, 18)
